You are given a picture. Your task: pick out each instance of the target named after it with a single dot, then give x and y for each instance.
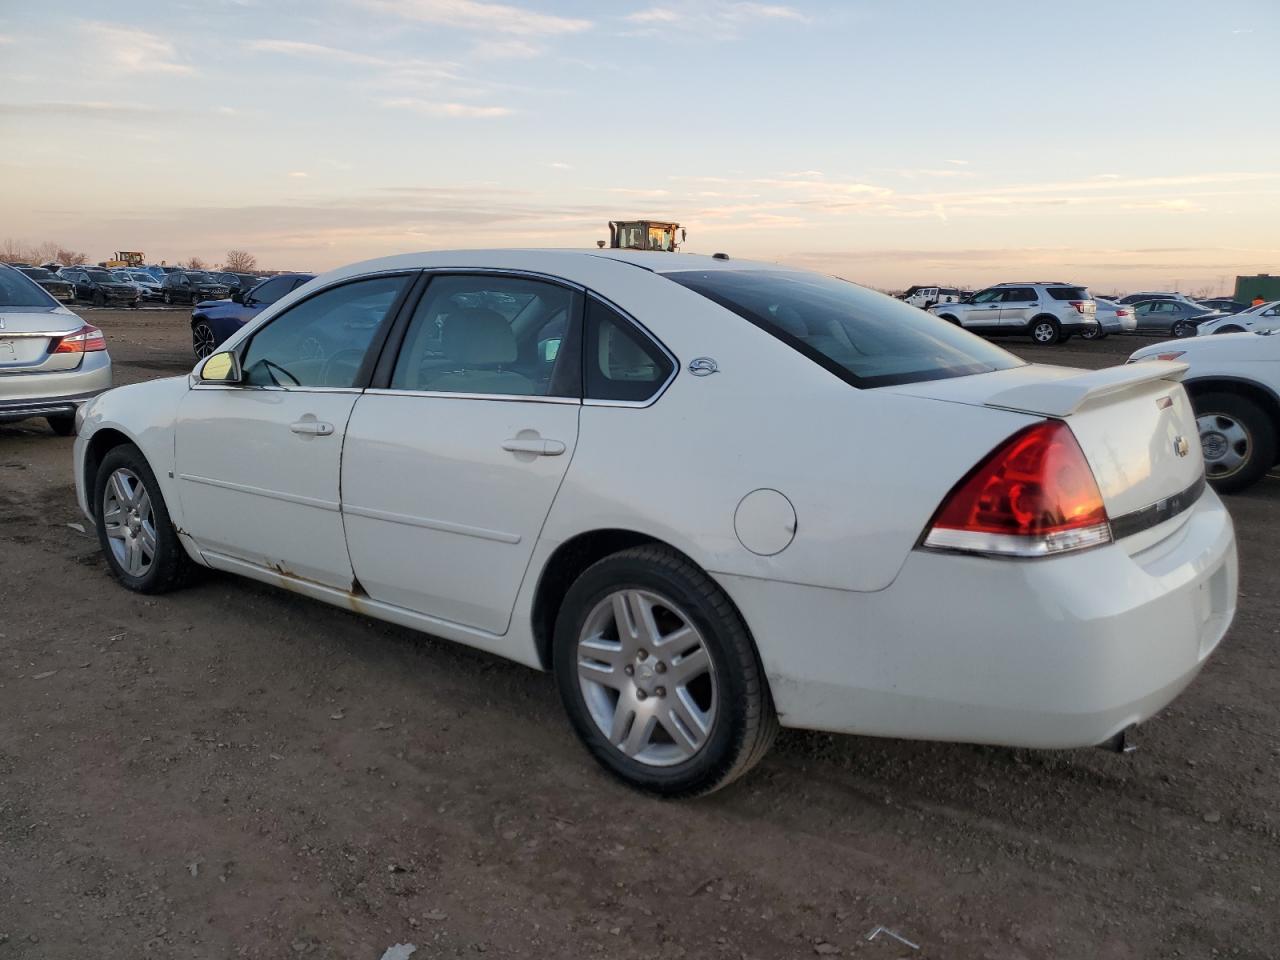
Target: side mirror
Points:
(221, 368)
(237, 296)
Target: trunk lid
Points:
(26, 334)
(1134, 423)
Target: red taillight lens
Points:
(1078, 304)
(1122, 313)
(1033, 496)
(85, 340)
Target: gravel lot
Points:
(238, 771)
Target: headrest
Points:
(477, 335)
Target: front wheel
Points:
(1046, 330)
(134, 529)
(203, 340)
(168, 298)
(659, 676)
(1183, 329)
(1093, 333)
(1238, 440)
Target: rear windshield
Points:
(17, 290)
(1068, 293)
(863, 337)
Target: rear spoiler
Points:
(1061, 398)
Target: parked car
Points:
(214, 321)
(237, 281)
(191, 286)
(1135, 298)
(627, 476)
(148, 286)
(1112, 317)
(1234, 385)
(1178, 318)
(99, 286)
(1224, 305)
(926, 297)
(1049, 312)
(51, 361)
(1264, 317)
(62, 290)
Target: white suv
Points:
(926, 297)
(1047, 311)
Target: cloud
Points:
(718, 11)
(654, 15)
(510, 49)
(557, 165)
(298, 174)
(298, 48)
(78, 108)
(130, 50)
(434, 108)
(959, 163)
(478, 15)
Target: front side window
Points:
(272, 290)
(496, 336)
(863, 337)
(621, 362)
(322, 341)
(988, 296)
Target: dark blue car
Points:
(213, 321)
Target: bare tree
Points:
(195, 263)
(70, 258)
(45, 252)
(14, 251)
(241, 261)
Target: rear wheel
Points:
(1238, 440)
(1045, 330)
(1093, 333)
(168, 298)
(659, 676)
(134, 529)
(1183, 329)
(63, 426)
(203, 340)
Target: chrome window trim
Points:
(447, 395)
(508, 272)
(218, 385)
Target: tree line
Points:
(49, 251)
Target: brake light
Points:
(1122, 313)
(85, 340)
(1033, 496)
(1078, 304)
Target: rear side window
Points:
(1019, 294)
(1068, 293)
(863, 337)
(622, 363)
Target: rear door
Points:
(1018, 306)
(454, 456)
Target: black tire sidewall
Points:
(724, 636)
(1262, 434)
(1057, 330)
(170, 554)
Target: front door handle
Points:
(536, 446)
(311, 428)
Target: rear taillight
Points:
(1122, 313)
(85, 340)
(1078, 304)
(1033, 496)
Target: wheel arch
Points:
(1043, 316)
(1264, 397)
(569, 560)
(99, 445)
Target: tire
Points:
(1093, 333)
(1046, 330)
(1182, 329)
(1228, 329)
(203, 339)
(725, 698)
(1238, 439)
(169, 567)
(63, 426)
(167, 297)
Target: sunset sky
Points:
(1121, 144)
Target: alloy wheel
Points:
(129, 522)
(1226, 443)
(1043, 332)
(203, 339)
(647, 677)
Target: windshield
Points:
(101, 276)
(863, 337)
(18, 290)
(144, 277)
(196, 276)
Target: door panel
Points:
(1018, 306)
(258, 477)
(444, 498)
(982, 313)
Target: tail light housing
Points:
(85, 340)
(1122, 313)
(1078, 304)
(1033, 496)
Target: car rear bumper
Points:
(24, 395)
(1054, 653)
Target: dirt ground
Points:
(237, 771)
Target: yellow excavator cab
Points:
(644, 235)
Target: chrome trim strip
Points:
(330, 505)
(444, 526)
(1154, 514)
(1009, 546)
(445, 395)
(47, 334)
(508, 272)
(218, 385)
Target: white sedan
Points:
(1263, 317)
(1234, 384)
(712, 496)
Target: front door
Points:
(258, 462)
(983, 310)
(451, 466)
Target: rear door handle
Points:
(311, 428)
(537, 446)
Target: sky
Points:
(1124, 144)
